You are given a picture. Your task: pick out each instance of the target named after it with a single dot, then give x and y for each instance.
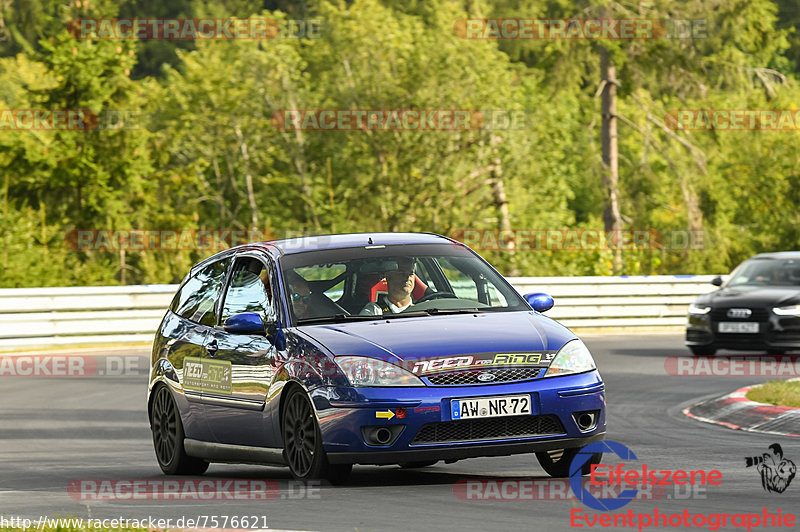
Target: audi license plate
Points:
(738, 327)
(509, 405)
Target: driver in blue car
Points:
(399, 284)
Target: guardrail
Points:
(42, 317)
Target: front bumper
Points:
(344, 412)
(779, 332)
(461, 452)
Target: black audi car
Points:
(756, 309)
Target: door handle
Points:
(211, 348)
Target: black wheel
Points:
(703, 350)
(168, 437)
(302, 442)
(556, 462)
(416, 465)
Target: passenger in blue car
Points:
(307, 304)
(300, 295)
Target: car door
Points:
(240, 367)
(187, 328)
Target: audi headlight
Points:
(365, 371)
(699, 309)
(574, 357)
(793, 310)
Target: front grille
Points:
(471, 377)
(757, 314)
(743, 340)
(488, 429)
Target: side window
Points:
(463, 286)
(424, 274)
(196, 300)
(249, 290)
(323, 273)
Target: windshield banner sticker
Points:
(425, 366)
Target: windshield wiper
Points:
(438, 311)
(336, 318)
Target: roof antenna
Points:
(370, 242)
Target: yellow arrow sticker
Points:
(385, 415)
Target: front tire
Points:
(165, 422)
(556, 462)
(302, 442)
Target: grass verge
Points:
(780, 392)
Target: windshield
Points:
(392, 282)
(772, 272)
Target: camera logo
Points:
(776, 471)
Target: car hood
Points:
(404, 339)
(752, 296)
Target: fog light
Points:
(381, 435)
(587, 420)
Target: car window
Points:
(463, 285)
(319, 279)
(775, 272)
(424, 274)
(195, 301)
(393, 280)
(249, 290)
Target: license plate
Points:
(738, 327)
(509, 405)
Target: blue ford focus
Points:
(319, 353)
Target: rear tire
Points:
(556, 462)
(165, 422)
(703, 350)
(302, 442)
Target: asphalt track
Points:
(55, 431)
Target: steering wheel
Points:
(436, 295)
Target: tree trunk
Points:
(500, 200)
(248, 177)
(612, 219)
(122, 267)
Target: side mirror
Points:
(717, 281)
(245, 323)
(540, 302)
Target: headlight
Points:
(793, 310)
(574, 357)
(364, 371)
(699, 309)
